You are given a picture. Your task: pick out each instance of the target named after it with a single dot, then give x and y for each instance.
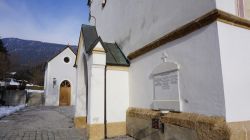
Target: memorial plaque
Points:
(166, 86)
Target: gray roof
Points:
(114, 55)
(89, 35)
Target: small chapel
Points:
(60, 79)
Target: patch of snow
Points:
(29, 85)
(34, 91)
(7, 110)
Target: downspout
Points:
(105, 103)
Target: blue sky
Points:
(56, 21)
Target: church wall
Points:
(200, 78)
(247, 9)
(45, 80)
(117, 83)
(133, 24)
(227, 6)
(117, 94)
(81, 85)
(58, 69)
(235, 50)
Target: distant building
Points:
(60, 79)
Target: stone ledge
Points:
(206, 127)
(80, 122)
(143, 113)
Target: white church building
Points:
(60, 79)
(164, 69)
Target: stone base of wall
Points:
(80, 122)
(240, 130)
(96, 131)
(116, 129)
(175, 126)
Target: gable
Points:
(66, 52)
(89, 35)
(90, 41)
(114, 55)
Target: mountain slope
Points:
(25, 54)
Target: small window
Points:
(66, 59)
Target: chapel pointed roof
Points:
(90, 35)
(114, 55)
(68, 46)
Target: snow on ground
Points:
(34, 91)
(7, 110)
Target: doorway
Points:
(65, 93)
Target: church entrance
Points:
(65, 93)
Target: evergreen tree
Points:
(2, 48)
(4, 60)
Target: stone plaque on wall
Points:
(166, 87)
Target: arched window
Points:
(65, 83)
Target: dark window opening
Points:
(66, 60)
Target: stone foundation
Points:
(95, 131)
(80, 122)
(176, 126)
(240, 130)
(116, 129)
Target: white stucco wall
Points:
(81, 82)
(60, 70)
(200, 77)
(97, 62)
(117, 95)
(134, 23)
(227, 6)
(45, 80)
(235, 61)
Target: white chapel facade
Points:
(60, 79)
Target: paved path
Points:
(41, 123)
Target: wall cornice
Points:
(210, 17)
